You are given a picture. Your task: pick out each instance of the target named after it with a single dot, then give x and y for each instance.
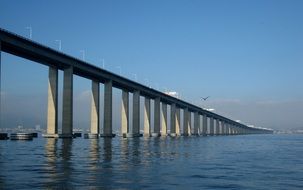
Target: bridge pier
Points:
(223, 127)
(95, 100)
(178, 121)
(0, 85)
(108, 109)
(186, 125)
(204, 125)
(211, 126)
(157, 117)
(147, 127)
(196, 123)
(136, 114)
(232, 129)
(228, 129)
(164, 119)
(125, 113)
(217, 127)
(173, 120)
(52, 103)
(67, 116)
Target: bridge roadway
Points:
(19, 46)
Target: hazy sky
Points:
(246, 55)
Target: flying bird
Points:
(205, 98)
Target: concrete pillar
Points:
(67, 116)
(164, 119)
(186, 122)
(0, 88)
(108, 109)
(230, 129)
(136, 113)
(147, 128)
(157, 117)
(94, 122)
(173, 119)
(52, 103)
(220, 128)
(223, 127)
(196, 123)
(211, 126)
(226, 128)
(125, 113)
(244, 131)
(204, 126)
(178, 121)
(217, 127)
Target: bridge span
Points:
(205, 122)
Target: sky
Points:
(246, 55)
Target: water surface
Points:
(220, 162)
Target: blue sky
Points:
(246, 55)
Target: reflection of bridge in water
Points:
(204, 122)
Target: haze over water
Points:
(220, 162)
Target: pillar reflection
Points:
(51, 161)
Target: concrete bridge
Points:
(205, 122)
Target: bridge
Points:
(205, 122)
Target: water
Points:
(223, 162)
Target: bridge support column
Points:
(157, 117)
(0, 87)
(223, 127)
(185, 122)
(220, 127)
(164, 120)
(196, 123)
(108, 109)
(211, 126)
(67, 117)
(136, 114)
(230, 132)
(228, 129)
(147, 128)
(125, 113)
(217, 127)
(52, 103)
(244, 131)
(94, 122)
(173, 120)
(178, 121)
(204, 126)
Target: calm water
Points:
(230, 162)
